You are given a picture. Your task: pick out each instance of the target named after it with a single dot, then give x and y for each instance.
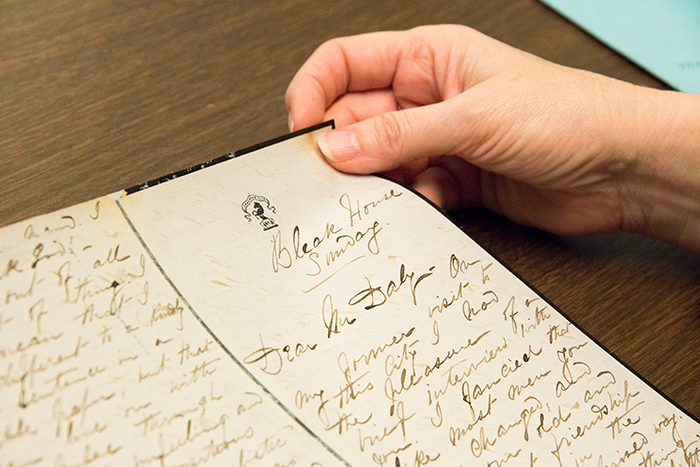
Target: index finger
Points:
(355, 63)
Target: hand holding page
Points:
(277, 312)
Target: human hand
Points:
(466, 120)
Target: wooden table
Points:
(99, 96)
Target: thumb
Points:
(392, 139)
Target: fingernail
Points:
(339, 145)
(290, 123)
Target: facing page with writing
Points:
(268, 310)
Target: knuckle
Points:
(390, 132)
(330, 46)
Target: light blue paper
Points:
(661, 36)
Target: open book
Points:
(266, 310)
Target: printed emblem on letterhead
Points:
(259, 207)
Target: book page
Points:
(386, 330)
(102, 364)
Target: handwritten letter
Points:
(101, 363)
(387, 331)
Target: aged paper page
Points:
(386, 330)
(102, 364)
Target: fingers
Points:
(356, 63)
(450, 182)
(402, 61)
(440, 186)
(463, 189)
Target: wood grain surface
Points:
(99, 96)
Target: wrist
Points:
(662, 190)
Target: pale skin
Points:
(467, 120)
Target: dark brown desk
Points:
(100, 96)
